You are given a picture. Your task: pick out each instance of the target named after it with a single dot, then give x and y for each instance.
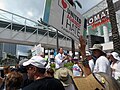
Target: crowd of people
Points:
(93, 70)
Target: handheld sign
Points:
(64, 17)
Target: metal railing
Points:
(19, 24)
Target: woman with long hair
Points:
(13, 81)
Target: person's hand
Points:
(85, 66)
(82, 45)
(65, 58)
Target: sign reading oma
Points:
(98, 19)
(61, 15)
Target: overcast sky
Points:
(33, 9)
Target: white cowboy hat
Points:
(116, 55)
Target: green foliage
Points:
(9, 60)
(69, 65)
(10, 56)
(52, 65)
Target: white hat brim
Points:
(118, 58)
(91, 48)
(27, 63)
(95, 49)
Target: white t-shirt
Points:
(116, 70)
(102, 65)
(91, 64)
(76, 70)
(58, 60)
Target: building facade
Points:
(98, 23)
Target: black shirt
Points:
(47, 83)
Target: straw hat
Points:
(88, 83)
(97, 46)
(64, 75)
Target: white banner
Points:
(37, 50)
(61, 15)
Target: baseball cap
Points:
(37, 61)
(22, 61)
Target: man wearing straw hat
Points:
(96, 81)
(65, 76)
(102, 63)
